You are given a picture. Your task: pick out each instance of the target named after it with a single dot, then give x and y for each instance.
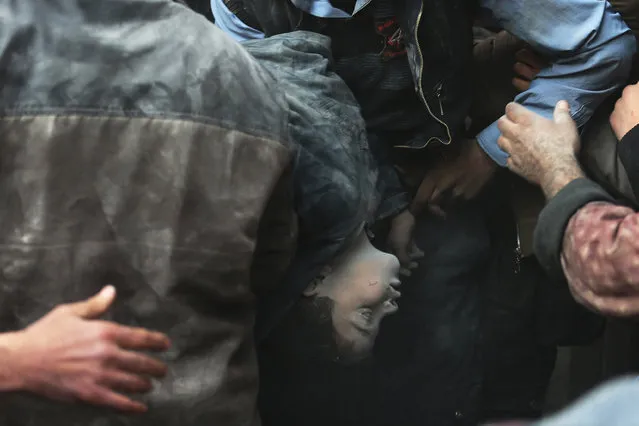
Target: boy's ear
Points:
(314, 287)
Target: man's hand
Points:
(400, 241)
(626, 114)
(69, 356)
(528, 65)
(542, 151)
(464, 177)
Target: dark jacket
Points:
(605, 159)
(446, 31)
(629, 156)
(202, 7)
(139, 148)
(629, 11)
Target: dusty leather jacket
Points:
(139, 148)
(446, 30)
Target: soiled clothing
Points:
(601, 251)
(577, 235)
(373, 64)
(140, 146)
(593, 239)
(337, 188)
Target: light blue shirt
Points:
(612, 404)
(588, 43)
(590, 48)
(230, 24)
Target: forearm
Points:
(554, 219)
(559, 178)
(11, 378)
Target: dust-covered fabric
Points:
(336, 175)
(139, 146)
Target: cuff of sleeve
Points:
(554, 218)
(393, 206)
(629, 156)
(487, 139)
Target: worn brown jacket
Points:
(138, 147)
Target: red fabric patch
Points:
(394, 45)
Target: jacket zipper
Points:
(518, 251)
(420, 89)
(438, 94)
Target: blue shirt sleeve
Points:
(590, 48)
(231, 24)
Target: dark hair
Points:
(301, 364)
(307, 333)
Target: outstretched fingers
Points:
(140, 339)
(139, 364)
(99, 395)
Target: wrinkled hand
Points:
(528, 65)
(542, 151)
(605, 301)
(465, 176)
(400, 241)
(69, 356)
(626, 113)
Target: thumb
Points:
(562, 113)
(96, 305)
(423, 195)
(416, 253)
(399, 247)
(403, 256)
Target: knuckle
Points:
(106, 352)
(141, 383)
(63, 309)
(613, 117)
(101, 377)
(106, 331)
(89, 393)
(503, 143)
